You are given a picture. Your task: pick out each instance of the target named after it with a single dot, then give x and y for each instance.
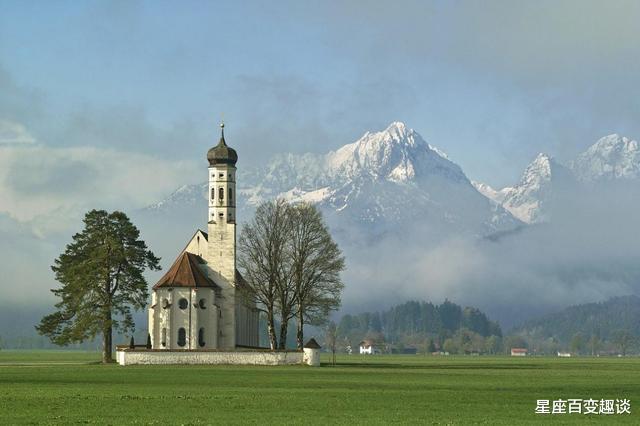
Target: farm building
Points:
(518, 352)
(370, 347)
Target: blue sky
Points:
(113, 104)
(491, 83)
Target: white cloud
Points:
(12, 133)
(49, 187)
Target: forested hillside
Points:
(612, 326)
(425, 326)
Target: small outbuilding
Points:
(519, 352)
(312, 353)
(370, 347)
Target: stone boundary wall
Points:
(129, 357)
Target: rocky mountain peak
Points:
(397, 153)
(539, 170)
(611, 157)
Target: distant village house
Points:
(370, 347)
(518, 352)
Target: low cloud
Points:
(12, 133)
(587, 253)
(38, 180)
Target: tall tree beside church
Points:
(262, 259)
(316, 264)
(101, 277)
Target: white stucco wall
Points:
(198, 245)
(222, 177)
(311, 357)
(221, 254)
(191, 319)
(125, 357)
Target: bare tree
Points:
(292, 267)
(316, 263)
(262, 247)
(331, 339)
(623, 339)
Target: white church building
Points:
(197, 304)
(198, 314)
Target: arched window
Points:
(201, 337)
(163, 340)
(230, 196)
(183, 303)
(221, 194)
(182, 337)
(213, 194)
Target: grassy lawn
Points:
(49, 387)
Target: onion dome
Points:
(221, 153)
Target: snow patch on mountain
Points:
(186, 195)
(494, 195)
(297, 195)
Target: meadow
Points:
(58, 387)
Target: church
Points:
(198, 303)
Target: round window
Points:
(183, 303)
(202, 303)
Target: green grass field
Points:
(49, 387)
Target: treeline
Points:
(425, 326)
(610, 327)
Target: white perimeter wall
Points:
(233, 358)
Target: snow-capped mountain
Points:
(385, 181)
(612, 157)
(186, 195)
(529, 200)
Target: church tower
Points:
(221, 252)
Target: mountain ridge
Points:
(388, 177)
(611, 158)
(384, 179)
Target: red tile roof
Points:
(186, 272)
